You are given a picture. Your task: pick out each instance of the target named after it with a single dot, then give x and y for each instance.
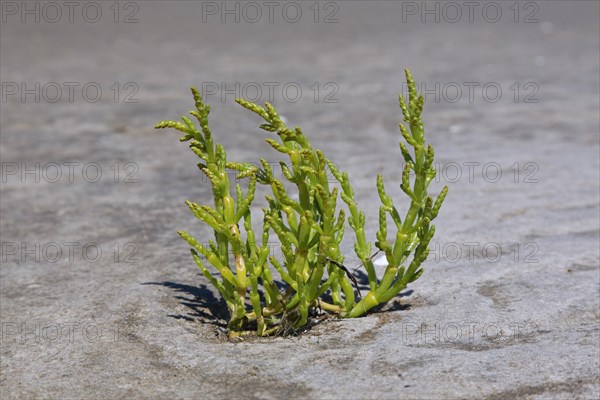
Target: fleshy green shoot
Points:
(308, 225)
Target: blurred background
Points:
(92, 196)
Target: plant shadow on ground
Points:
(200, 301)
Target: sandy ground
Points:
(99, 297)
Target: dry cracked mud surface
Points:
(99, 298)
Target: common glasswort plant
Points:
(309, 229)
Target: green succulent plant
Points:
(309, 226)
